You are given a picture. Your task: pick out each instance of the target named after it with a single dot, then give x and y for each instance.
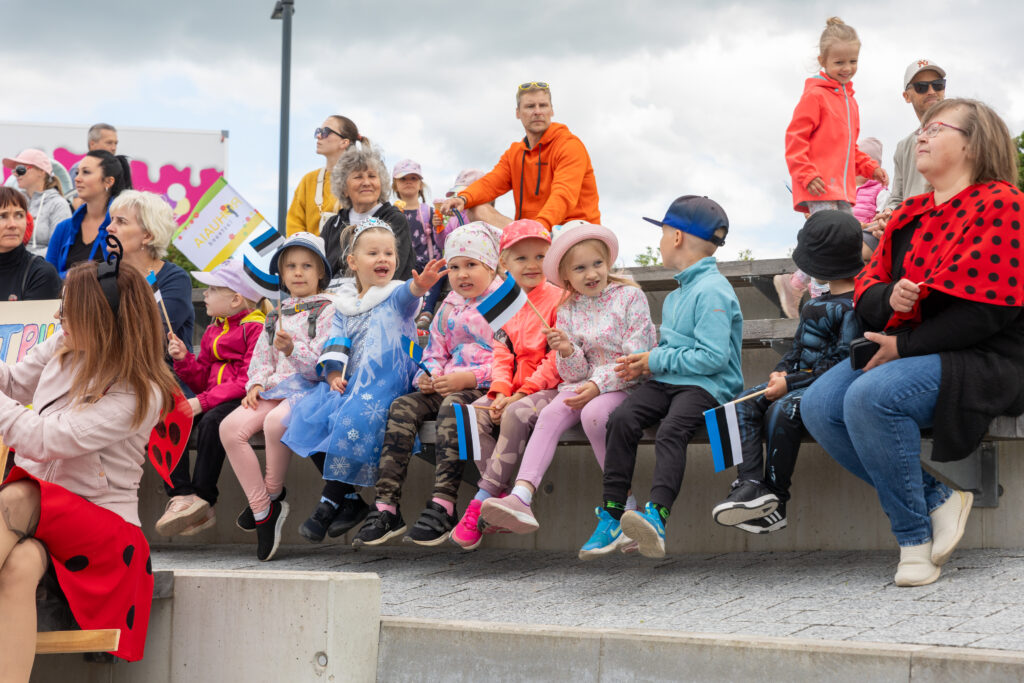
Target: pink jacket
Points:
(269, 367)
(602, 328)
(867, 200)
(460, 339)
(89, 449)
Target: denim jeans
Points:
(870, 423)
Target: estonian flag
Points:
(336, 349)
(503, 303)
(267, 243)
(151, 279)
(724, 435)
(415, 352)
(465, 425)
(269, 285)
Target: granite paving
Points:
(978, 601)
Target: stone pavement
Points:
(978, 601)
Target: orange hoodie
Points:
(821, 142)
(563, 190)
(529, 367)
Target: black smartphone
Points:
(861, 352)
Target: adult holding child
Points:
(34, 173)
(362, 184)
(314, 203)
(548, 172)
(23, 275)
(70, 505)
(101, 178)
(943, 296)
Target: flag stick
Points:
(4, 450)
(542, 320)
(488, 408)
(167, 318)
(753, 395)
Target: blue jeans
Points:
(870, 423)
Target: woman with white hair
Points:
(34, 173)
(144, 223)
(361, 182)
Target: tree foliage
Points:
(650, 257)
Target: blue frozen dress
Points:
(349, 427)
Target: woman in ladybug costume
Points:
(943, 296)
(70, 505)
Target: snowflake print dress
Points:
(349, 427)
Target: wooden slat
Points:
(764, 332)
(99, 640)
(739, 273)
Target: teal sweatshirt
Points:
(701, 333)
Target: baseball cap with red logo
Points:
(523, 229)
(919, 65)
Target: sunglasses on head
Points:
(322, 133)
(534, 84)
(921, 87)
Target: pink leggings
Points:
(235, 432)
(557, 417)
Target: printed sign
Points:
(221, 222)
(25, 324)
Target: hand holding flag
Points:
(415, 352)
(503, 303)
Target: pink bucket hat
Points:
(476, 240)
(464, 180)
(406, 167)
(523, 229)
(31, 157)
(872, 147)
(565, 237)
(231, 275)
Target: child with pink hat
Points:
(603, 318)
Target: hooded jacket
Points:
(220, 372)
(821, 142)
(48, 208)
(552, 183)
(528, 366)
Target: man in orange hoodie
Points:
(548, 171)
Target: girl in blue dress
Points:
(365, 366)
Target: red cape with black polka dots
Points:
(970, 247)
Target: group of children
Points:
(329, 376)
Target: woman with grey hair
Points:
(361, 182)
(144, 223)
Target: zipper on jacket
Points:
(849, 136)
(536, 193)
(522, 180)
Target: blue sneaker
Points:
(647, 529)
(606, 539)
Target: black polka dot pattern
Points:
(77, 563)
(127, 555)
(129, 619)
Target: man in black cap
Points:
(829, 250)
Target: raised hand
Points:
(432, 272)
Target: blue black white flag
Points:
(465, 425)
(724, 435)
(267, 284)
(267, 243)
(502, 304)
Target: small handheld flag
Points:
(336, 349)
(151, 279)
(415, 352)
(724, 432)
(169, 438)
(465, 427)
(502, 304)
(267, 284)
(267, 243)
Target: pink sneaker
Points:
(466, 535)
(511, 513)
(790, 294)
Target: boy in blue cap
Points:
(696, 366)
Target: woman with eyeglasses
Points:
(34, 173)
(69, 510)
(24, 276)
(82, 237)
(314, 203)
(942, 296)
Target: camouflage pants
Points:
(406, 416)
(501, 457)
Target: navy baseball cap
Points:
(696, 215)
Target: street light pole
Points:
(283, 10)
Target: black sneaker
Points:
(268, 531)
(314, 528)
(380, 527)
(246, 522)
(773, 521)
(746, 501)
(433, 527)
(351, 512)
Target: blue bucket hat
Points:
(696, 215)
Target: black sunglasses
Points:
(921, 87)
(322, 133)
(20, 170)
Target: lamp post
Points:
(283, 10)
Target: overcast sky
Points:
(670, 98)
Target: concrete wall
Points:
(248, 626)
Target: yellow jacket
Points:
(304, 214)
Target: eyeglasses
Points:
(534, 84)
(322, 133)
(20, 170)
(921, 87)
(933, 128)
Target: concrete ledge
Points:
(427, 649)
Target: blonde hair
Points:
(836, 31)
(606, 254)
(348, 247)
(154, 215)
(990, 146)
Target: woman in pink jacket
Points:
(70, 505)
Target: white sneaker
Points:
(948, 523)
(916, 567)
